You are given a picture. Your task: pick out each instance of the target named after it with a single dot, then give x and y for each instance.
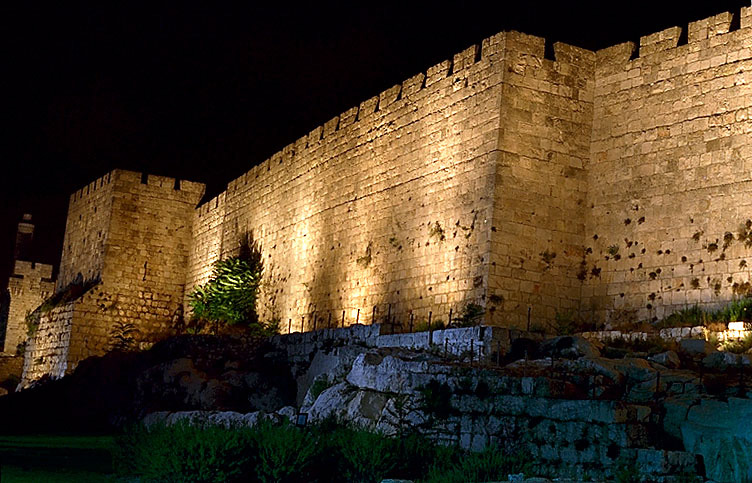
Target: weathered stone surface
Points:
(569, 347)
(226, 419)
(696, 347)
(668, 359)
(723, 360)
(721, 433)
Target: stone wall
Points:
(86, 231)
(669, 172)
(142, 228)
(29, 285)
(539, 207)
(47, 352)
(598, 182)
(396, 201)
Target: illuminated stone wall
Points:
(86, 229)
(670, 172)
(601, 182)
(388, 203)
(539, 207)
(29, 285)
(142, 229)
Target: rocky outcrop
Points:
(179, 374)
(568, 434)
(720, 431)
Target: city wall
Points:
(505, 178)
(398, 201)
(670, 172)
(612, 183)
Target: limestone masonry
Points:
(616, 184)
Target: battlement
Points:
(458, 68)
(213, 204)
(90, 188)
(712, 29)
(164, 184)
(24, 268)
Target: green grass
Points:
(56, 458)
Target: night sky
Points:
(204, 91)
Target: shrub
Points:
(739, 346)
(492, 464)
(284, 453)
(229, 297)
(364, 456)
(472, 314)
(735, 311)
(689, 317)
(184, 453)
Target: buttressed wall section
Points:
(670, 173)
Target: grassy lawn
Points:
(56, 458)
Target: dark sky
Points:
(205, 91)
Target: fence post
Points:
(289, 326)
(302, 323)
(357, 317)
(343, 319)
(430, 330)
(411, 322)
(373, 315)
(450, 317)
(528, 317)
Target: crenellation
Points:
(330, 127)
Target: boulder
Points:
(288, 412)
(392, 371)
(721, 361)
(721, 433)
(330, 366)
(225, 419)
(668, 359)
(332, 402)
(695, 347)
(568, 347)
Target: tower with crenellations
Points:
(30, 283)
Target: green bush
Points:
(181, 452)
(229, 297)
(491, 464)
(284, 453)
(327, 452)
(740, 346)
(364, 456)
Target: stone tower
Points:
(29, 285)
(123, 268)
